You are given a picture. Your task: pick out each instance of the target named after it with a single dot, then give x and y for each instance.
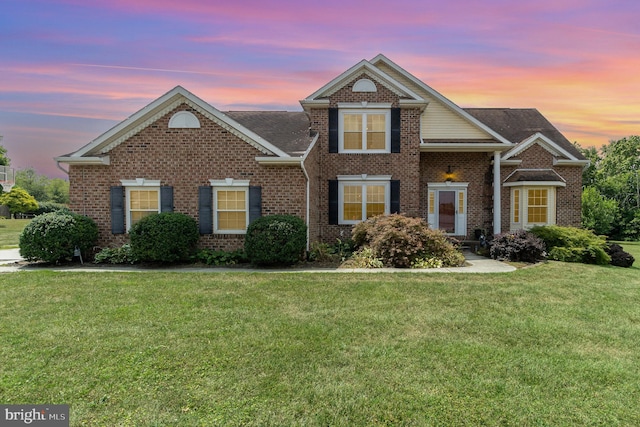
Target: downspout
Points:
(61, 168)
(497, 214)
(308, 197)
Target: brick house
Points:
(373, 140)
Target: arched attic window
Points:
(364, 85)
(184, 119)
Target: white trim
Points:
(140, 182)
(364, 177)
(349, 180)
(564, 162)
(229, 182)
(460, 219)
(364, 105)
(104, 160)
(497, 194)
(437, 95)
(279, 161)
(364, 85)
(235, 185)
(535, 184)
(160, 107)
(463, 147)
(184, 120)
(368, 69)
(544, 142)
(363, 113)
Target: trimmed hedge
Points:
(166, 237)
(276, 240)
(53, 237)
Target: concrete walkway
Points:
(10, 258)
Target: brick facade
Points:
(187, 158)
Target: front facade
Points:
(374, 140)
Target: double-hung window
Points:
(532, 205)
(231, 206)
(359, 199)
(365, 131)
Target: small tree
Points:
(19, 201)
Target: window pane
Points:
(138, 215)
(231, 209)
(460, 202)
(352, 208)
(537, 206)
(352, 140)
(516, 205)
(376, 128)
(375, 200)
(353, 122)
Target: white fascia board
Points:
(369, 69)
(104, 160)
(167, 101)
(463, 147)
(545, 143)
(446, 101)
(279, 161)
(535, 184)
(564, 162)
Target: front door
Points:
(447, 207)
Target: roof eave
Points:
(463, 147)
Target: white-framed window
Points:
(361, 197)
(364, 130)
(532, 205)
(230, 206)
(447, 207)
(142, 198)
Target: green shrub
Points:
(54, 236)
(571, 244)
(276, 240)
(165, 237)
(520, 246)
(339, 251)
(363, 258)
(47, 207)
(121, 255)
(427, 263)
(400, 241)
(219, 257)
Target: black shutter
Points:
(394, 206)
(395, 130)
(333, 201)
(117, 210)
(333, 130)
(205, 209)
(166, 199)
(255, 203)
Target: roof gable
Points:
(162, 106)
(371, 72)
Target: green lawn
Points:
(555, 344)
(10, 230)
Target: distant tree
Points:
(598, 212)
(58, 191)
(4, 160)
(18, 201)
(43, 188)
(615, 173)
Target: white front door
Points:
(447, 207)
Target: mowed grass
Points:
(10, 230)
(554, 344)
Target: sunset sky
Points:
(72, 69)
